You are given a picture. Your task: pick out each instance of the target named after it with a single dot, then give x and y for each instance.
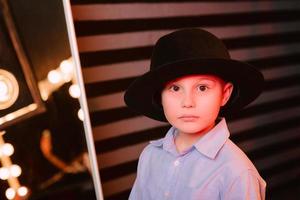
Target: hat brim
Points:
(248, 84)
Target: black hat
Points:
(186, 52)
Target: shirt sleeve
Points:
(136, 191)
(248, 186)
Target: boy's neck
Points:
(184, 141)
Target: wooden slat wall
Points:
(115, 40)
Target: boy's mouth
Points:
(188, 117)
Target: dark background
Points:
(115, 42)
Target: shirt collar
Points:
(167, 143)
(209, 145)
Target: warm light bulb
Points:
(10, 193)
(15, 170)
(80, 114)
(54, 76)
(3, 91)
(4, 173)
(74, 91)
(9, 89)
(44, 95)
(66, 66)
(7, 149)
(22, 191)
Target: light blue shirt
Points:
(213, 168)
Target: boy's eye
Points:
(202, 88)
(174, 88)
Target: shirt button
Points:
(176, 163)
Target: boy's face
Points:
(192, 103)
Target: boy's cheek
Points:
(168, 101)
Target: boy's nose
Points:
(188, 101)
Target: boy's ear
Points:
(227, 91)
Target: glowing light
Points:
(22, 191)
(3, 91)
(15, 170)
(80, 114)
(9, 89)
(44, 95)
(18, 113)
(66, 66)
(67, 69)
(10, 193)
(54, 76)
(10, 117)
(74, 91)
(4, 173)
(32, 107)
(7, 149)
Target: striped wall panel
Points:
(115, 41)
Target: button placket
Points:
(176, 162)
(174, 173)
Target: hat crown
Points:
(187, 44)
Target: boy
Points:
(192, 84)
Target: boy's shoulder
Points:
(151, 147)
(153, 144)
(150, 151)
(234, 158)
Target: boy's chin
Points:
(193, 130)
